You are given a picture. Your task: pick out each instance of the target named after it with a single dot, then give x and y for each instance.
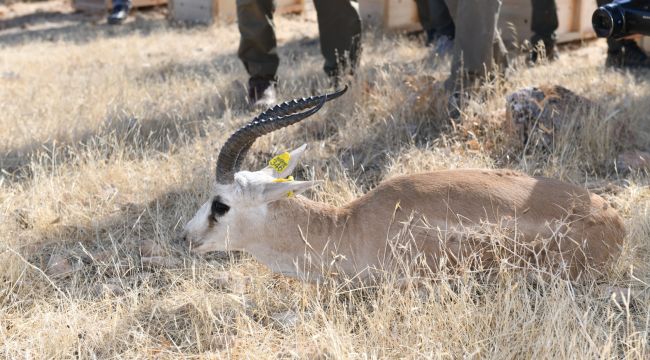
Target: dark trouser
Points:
(338, 23)
(435, 19)
(543, 20)
(478, 48)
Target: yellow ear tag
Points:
(288, 179)
(280, 162)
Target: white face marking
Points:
(213, 231)
(240, 216)
(198, 230)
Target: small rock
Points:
(10, 75)
(222, 279)
(104, 256)
(151, 248)
(620, 295)
(634, 160)
(23, 219)
(221, 342)
(59, 266)
(231, 280)
(538, 114)
(286, 319)
(107, 290)
(161, 262)
(130, 280)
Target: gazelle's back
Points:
(538, 208)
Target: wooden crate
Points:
(203, 11)
(289, 6)
(644, 41)
(224, 11)
(102, 6)
(399, 15)
(514, 21)
(574, 17)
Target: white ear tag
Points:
(288, 179)
(280, 162)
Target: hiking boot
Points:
(118, 14)
(630, 55)
(262, 91)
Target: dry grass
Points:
(109, 138)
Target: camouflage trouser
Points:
(478, 48)
(338, 23)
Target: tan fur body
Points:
(588, 231)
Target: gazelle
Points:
(262, 213)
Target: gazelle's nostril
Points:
(190, 242)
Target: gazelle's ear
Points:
(273, 191)
(283, 165)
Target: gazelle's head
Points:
(237, 207)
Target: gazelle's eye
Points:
(218, 208)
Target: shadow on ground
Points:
(119, 132)
(42, 18)
(75, 27)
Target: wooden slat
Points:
(400, 15)
(92, 6)
(403, 15)
(372, 12)
(289, 6)
(198, 11)
(225, 11)
(574, 17)
(98, 6)
(644, 42)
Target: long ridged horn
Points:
(286, 108)
(234, 150)
(293, 106)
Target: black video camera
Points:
(621, 18)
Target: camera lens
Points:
(621, 18)
(602, 22)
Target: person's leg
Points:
(119, 12)
(476, 42)
(440, 19)
(624, 52)
(443, 27)
(543, 23)
(340, 35)
(425, 19)
(258, 47)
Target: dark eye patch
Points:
(218, 208)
